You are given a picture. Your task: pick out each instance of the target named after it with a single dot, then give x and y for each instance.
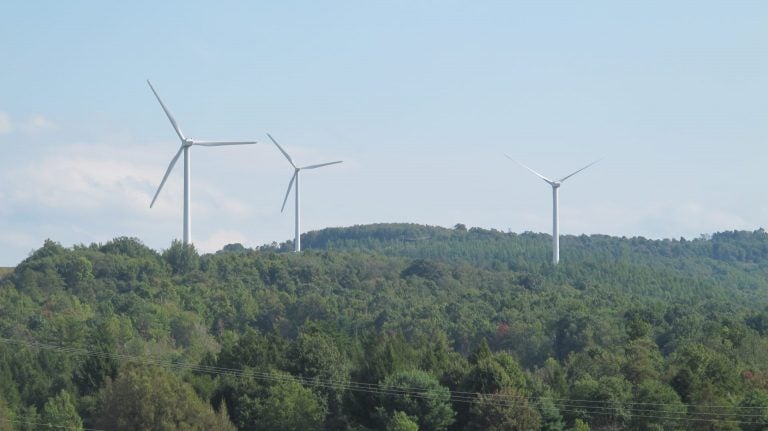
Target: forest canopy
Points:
(390, 327)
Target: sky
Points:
(420, 99)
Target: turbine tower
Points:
(186, 143)
(555, 221)
(295, 179)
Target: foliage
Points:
(400, 421)
(418, 395)
(625, 333)
(59, 412)
(289, 406)
(149, 398)
(505, 410)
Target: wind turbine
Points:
(555, 222)
(184, 148)
(295, 179)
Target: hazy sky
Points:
(419, 98)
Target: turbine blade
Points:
(167, 113)
(321, 165)
(585, 167)
(218, 144)
(167, 172)
(288, 192)
(550, 182)
(282, 150)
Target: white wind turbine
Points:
(184, 148)
(555, 221)
(295, 179)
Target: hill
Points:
(481, 246)
(380, 326)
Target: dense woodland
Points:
(390, 327)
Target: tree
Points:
(315, 356)
(657, 406)
(482, 351)
(252, 349)
(706, 378)
(420, 396)
(506, 410)
(27, 419)
(400, 421)
(6, 416)
(76, 271)
(756, 403)
(144, 398)
(132, 247)
(486, 376)
(643, 360)
(95, 370)
(183, 258)
(573, 332)
(580, 425)
(611, 394)
(290, 407)
(551, 419)
(59, 412)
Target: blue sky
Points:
(420, 99)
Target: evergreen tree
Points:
(59, 412)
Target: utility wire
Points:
(350, 384)
(593, 407)
(66, 427)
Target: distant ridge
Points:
(491, 246)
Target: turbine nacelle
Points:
(295, 179)
(555, 222)
(185, 144)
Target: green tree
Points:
(400, 421)
(486, 376)
(657, 408)
(76, 271)
(6, 416)
(573, 332)
(94, 370)
(252, 349)
(482, 351)
(289, 406)
(506, 410)
(705, 378)
(27, 419)
(183, 258)
(580, 425)
(611, 394)
(551, 419)
(144, 398)
(420, 396)
(643, 360)
(315, 356)
(756, 404)
(59, 412)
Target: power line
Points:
(592, 407)
(66, 427)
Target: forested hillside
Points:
(390, 327)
